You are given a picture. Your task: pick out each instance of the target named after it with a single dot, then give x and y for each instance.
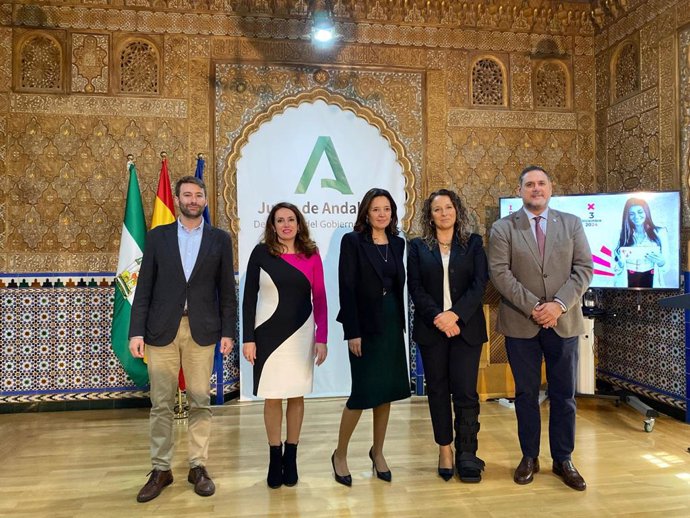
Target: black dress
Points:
(380, 375)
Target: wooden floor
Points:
(92, 463)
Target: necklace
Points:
(445, 245)
(384, 257)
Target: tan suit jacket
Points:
(516, 270)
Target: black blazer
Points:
(468, 274)
(360, 280)
(162, 289)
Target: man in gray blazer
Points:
(185, 302)
(541, 264)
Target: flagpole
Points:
(218, 360)
(181, 410)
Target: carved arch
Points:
(230, 167)
(625, 70)
(488, 81)
(138, 65)
(552, 85)
(39, 62)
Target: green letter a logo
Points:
(324, 145)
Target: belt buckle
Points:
(384, 292)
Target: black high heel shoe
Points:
(445, 473)
(345, 480)
(386, 476)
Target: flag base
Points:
(181, 410)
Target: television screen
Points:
(634, 236)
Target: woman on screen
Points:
(640, 257)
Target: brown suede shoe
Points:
(566, 470)
(158, 480)
(524, 473)
(203, 485)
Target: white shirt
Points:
(532, 222)
(447, 300)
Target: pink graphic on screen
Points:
(602, 263)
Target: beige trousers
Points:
(164, 366)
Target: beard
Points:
(192, 211)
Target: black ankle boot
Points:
(275, 467)
(290, 465)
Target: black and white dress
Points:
(284, 313)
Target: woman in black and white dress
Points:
(285, 326)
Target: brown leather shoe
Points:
(566, 470)
(524, 473)
(203, 485)
(157, 481)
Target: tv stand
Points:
(586, 375)
(619, 396)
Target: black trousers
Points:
(451, 369)
(561, 356)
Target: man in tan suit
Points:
(541, 264)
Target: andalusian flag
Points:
(131, 251)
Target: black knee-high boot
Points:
(290, 465)
(469, 466)
(275, 466)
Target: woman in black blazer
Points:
(371, 277)
(447, 274)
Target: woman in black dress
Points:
(446, 276)
(371, 277)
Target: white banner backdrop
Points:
(322, 159)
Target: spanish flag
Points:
(163, 206)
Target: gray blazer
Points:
(516, 271)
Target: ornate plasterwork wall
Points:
(637, 131)
(684, 101)
(249, 95)
(357, 19)
(140, 76)
(642, 107)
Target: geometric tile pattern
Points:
(55, 344)
(57, 339)
(642, 390)
(641, 345)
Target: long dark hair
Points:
(303, 243)
(462, 220)
(362, 222)
(627, 237)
